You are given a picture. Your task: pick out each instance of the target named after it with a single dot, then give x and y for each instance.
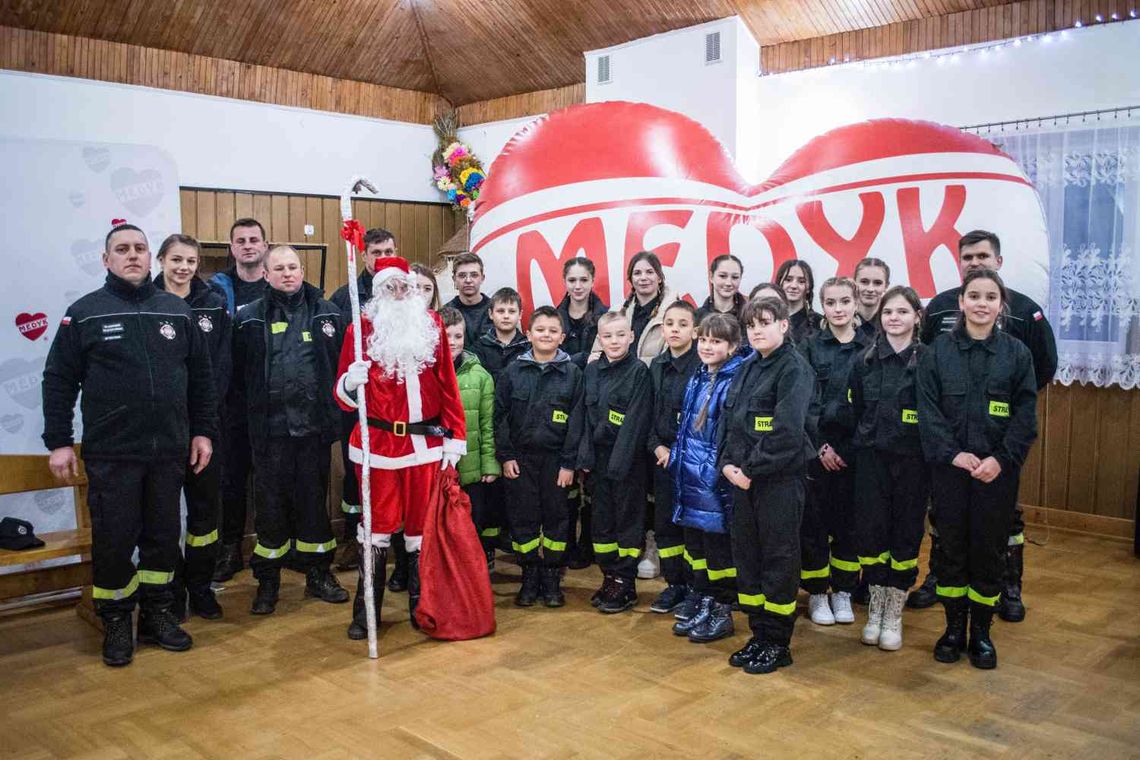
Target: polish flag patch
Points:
(1038, 316)
(65, 321)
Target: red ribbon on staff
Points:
(353, 232)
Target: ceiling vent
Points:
(712, 47)
(604, 69)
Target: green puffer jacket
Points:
(477, 390)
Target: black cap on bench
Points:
(18, 534)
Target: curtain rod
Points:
(1068, 117)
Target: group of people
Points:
(749, 447)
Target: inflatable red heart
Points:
(31, 326)
(605, 180)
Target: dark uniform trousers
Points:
(827, 533)
(891, 492)
(235, 476)
(669, 536)
(618, 520)
(766, 552)
(291, 488)
(203, 509)
(973, 518)
(536, 510)
(134, 504)
(708, 556)
(580, 508)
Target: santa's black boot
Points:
(358, 628)
(399, 578)
(413, 586)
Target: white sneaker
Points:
(650, 564)
(841, 606)
(890, 639)
(819, 610)
(874, 627)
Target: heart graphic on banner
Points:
(140, 192)
(97, 159)
(606, 180)
(77, 199)
(12, 423)
(31, 326)
(21, 379)
(88, 255)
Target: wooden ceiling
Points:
(462, 50)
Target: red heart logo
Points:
(31, 326)
(606, 180)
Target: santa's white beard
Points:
(404, 336)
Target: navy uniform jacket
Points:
(619, 403)
(539, 409)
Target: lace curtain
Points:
(1089, 180)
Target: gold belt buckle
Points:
(400, 428)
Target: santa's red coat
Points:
(434, 393)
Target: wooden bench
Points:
(22, 474)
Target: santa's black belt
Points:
(402, 428)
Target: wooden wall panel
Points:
(66, 55)
(420, 228)
(526, 104)
(966, 27)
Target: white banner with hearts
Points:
(59, 199)
(606, 180)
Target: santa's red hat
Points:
(389, 266)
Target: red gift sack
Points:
(455, 589)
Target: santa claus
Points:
(415, 419)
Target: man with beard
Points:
(148, 411)
(416, 423)
(242, 283)
(285, 353)
(378, 243)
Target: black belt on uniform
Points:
(402, 428)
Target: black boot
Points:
(413, 586)
(490, 555)
(179, 605)
(399, 579)
(157, 625)
(322, 584)
(704, 609)
(350, 555)
(862, 593)
(953, 642)
(603, 591)
(690, 606)
(1010, 608)
(118, 639)
(747, 653)
(622, 596)
(229, 562)
(717, 625)
(358, 628)
(268, 589)
(925, 595)
(530, 587)
(552, 595)
(769, 659)
(580, 557)
(204, 603)
(981, 649)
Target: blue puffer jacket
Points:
(702, 497)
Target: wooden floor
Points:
(574, 683)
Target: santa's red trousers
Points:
(400, 497)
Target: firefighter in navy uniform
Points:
(378, 242)
(286, 347)
(1024, 320)
(977, 417)
(148, 412)
(179, 256)
(764, 454)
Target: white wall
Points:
(1075, 70)
(488, 140)
(669, 70)
(223, 142)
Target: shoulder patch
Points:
(1038, 316)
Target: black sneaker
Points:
(690, 606)
(229, 562)
(265, 601)
(530, 587)
(323, 585)
(159, 626)
(204, 604)
(602, 592)
(118, 639)
(716, 625)
(670, 599)
(746, 654)
(769, 660)
(704, 609)
(622, 596)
